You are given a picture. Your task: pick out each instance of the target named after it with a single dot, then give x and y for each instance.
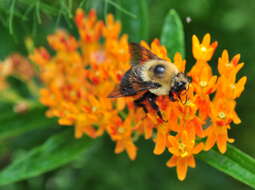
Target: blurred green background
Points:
(230, 22)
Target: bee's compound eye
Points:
(159, 69)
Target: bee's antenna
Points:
(187, 94)
(186, 98)
(179, 97)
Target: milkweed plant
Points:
(73, 75)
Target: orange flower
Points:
(229, 68)
(121, 133)
(227, 85)
(217, 135)
(229, 88)
(205, 50)
(179, 62)
(90, 29)
(78, 77)
(62, 42)
(161, 139)
(15, 65)
(157, 49)
(183, 147)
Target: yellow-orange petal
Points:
(210, 142)
(225, 56)
(119, 147)
(173, 141)
(78, 133)
(236, 119)
(182, 168)
(131, 150)
(172, 161)
(179, 62)
(240, 86)
(144, 44)
(206, 39)
(211, 85)
(65, 121)
(222, 143)
(195, 40)
(198, 148)
(191, 161)
(121, 103)
(160, 143)
(236, 59)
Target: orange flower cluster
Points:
(81, 73)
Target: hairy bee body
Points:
(151, 75)
(165, 79)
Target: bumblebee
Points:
(150, 76)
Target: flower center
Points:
(121, 130)
(222, 115)
(203, 48)
(190, 103)
(232, 86)
(182, 149)
(94, 109)
(203, 83)
(229, 64)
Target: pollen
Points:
(222, 115)
(203, 83)
(121, 130)
(203, 48)
(182, 149)
(232, 86)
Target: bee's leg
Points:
(138, 103)
(171, 97)
(152, 99)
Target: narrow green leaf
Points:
(13, 124)
(135, 23)
(234, 163)
(55, 152)
(172, 34)
(11, 16)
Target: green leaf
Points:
(55, 152)
(172, 35)
(14, 124)
(234, 163)
(134, 18)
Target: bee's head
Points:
(179, 83)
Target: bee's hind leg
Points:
(171, 97)
(152, 99)
(138, 103)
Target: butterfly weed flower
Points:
(18, 68)
(81, 73)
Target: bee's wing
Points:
(116, 93)
(134, 90)
(131, 90)
(132, 84)
(140, 54)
